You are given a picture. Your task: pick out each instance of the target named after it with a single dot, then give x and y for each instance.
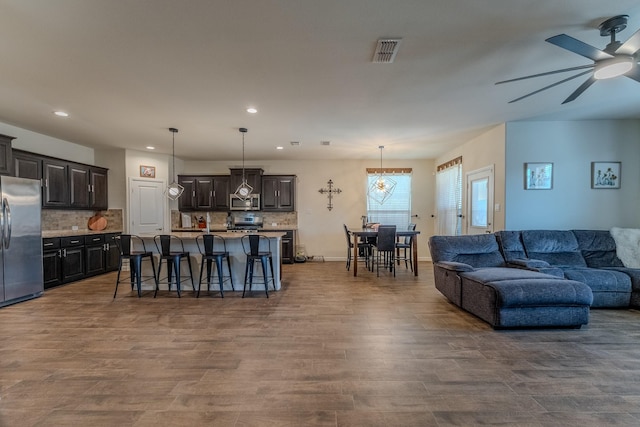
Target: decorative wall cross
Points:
(330, 192)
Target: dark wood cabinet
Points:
(64, 184)
(6, 155)
(278, 193)
(112, 253)
(73, 259)
(253, 177)
(67, 259)
(288, 244)
(94, 251)
(27, 165)
(51, 262)
(55, 187)
(78, 186)
(99, 190)
(204, 193)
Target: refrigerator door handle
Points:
(7, 214)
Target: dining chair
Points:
(386, 248)
(405, 243)
(126, 246)
(213, 248)
(364, 247)
(171, 250)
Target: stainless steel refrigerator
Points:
(20, 240)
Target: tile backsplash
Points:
(284, 220)
(58, 219)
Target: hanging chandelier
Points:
(382, 187)
(174, 190)
(244, 190)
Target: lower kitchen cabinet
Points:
(67, 259)
(51, 260)
(288, 243)
(72, 258)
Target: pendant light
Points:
(382, 188)
(174, 190)
(244, 190)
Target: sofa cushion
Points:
(558, 247)
(598, 248)
(535, 291)
(510, 244)
(479, 250)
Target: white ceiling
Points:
(127, 70)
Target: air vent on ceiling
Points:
(325, 142)
(386, 51)
(295, 143)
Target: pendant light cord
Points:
(173, 153)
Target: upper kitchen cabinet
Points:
(64, 184)
(253, 177)
(87, 187)
(55, 183)
(6, 161)
(204, 193)
(278, 193)
(27, 165)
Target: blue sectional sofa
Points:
(582, 262)
(473, 274)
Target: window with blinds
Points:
(449, 198)
(396, 210)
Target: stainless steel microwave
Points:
(251, 203)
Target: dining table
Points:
(364, 233)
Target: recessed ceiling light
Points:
(150, 147)
(61, 114)
(252, 110)
(279, 147)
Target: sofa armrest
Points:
(455, 266)
(529, 263)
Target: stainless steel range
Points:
(246, 223)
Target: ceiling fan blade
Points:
(550, 86)
(581, 48)
(584, 86)
(581, 67)
(635, 74)
(631, 46)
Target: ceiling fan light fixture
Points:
(614, 67)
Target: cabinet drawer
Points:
(50, 243)
(94, 239)
(69, 242)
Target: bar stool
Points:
(213, 248)
(125, 243)
(171, 249)
(257, 248)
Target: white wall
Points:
(485, 150)
(48, 146)
(572, 146)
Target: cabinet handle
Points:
(59, 253)
(75, 241)
(46, 182)
(64, 253)
(48, 244)
(89, 188)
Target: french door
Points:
(480, 201)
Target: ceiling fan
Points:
(616, 59)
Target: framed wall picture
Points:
(147, 171)
(605, 175)
(538, 176)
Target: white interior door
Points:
(480, 201)
(147, 206)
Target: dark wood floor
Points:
(327, 350)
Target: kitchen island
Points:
(236, 254)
